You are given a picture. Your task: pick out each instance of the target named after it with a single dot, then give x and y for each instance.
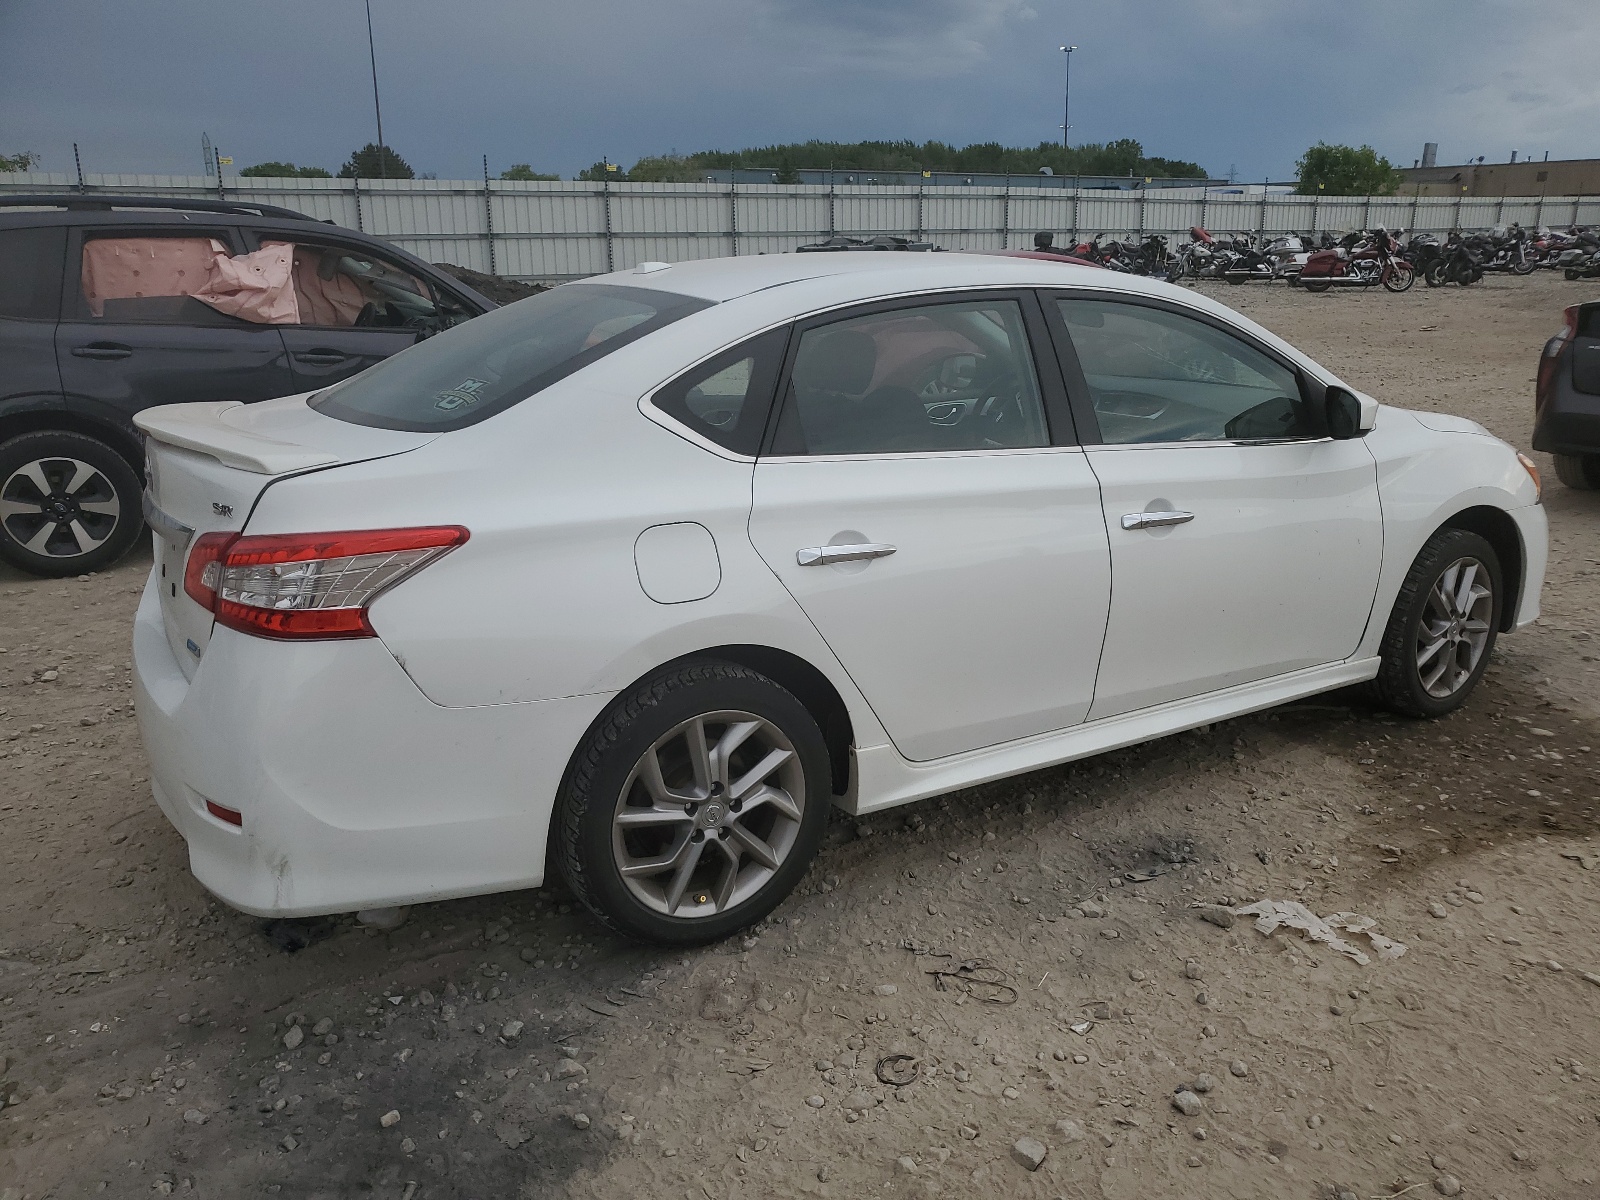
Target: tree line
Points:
(1324, 169)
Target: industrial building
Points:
(1519, 177)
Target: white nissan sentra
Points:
(639, 576)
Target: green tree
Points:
(602, 171)
(284, 170)
(786, 170)
(1345, 171)
(373, 161)
(666, 168)
(524, 173)
(25, 161)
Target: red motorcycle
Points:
(1360, 260)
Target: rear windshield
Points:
(475, 370)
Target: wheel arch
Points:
(789, 671)
(51, 420)
(1495, 526)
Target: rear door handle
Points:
(821, 556)
(1155, 520)
(104, 351)
(321, 358)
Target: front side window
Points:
(1158, 376)
(343, 288)
(192, 279)
(956, 376)
(726, 399)
(494, 361)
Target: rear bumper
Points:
(356, 791)
(1569, 423)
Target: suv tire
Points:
(1579, 471)
(1443, 626)
(675, 853)
(69, 504)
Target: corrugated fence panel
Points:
(568, 229)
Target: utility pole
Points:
(372, 53)
(1066, 104)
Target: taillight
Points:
(308, 585)
(1550, 359)
(204, 568)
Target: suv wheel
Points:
(694, 806)
(1580, 471)
(69, 504)
(1443, 626)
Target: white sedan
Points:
(640, 576)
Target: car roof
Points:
(869, 275)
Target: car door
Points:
(356, 308)
(913, 501)
(1245, 542)
(133, 334)
(30, 302)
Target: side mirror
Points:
(1349, 415)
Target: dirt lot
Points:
(151, 1040)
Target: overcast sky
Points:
(1246, 84)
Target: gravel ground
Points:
(1071, 1026)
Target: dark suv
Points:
(1566, 419)
(111, 304)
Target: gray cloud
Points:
(1248, 83)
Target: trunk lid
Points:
(207, 464)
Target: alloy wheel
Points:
(1455, 627)
(59, 507)
(708, 814)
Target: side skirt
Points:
(883, 779)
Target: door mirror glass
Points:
(1275, 418)
(1344, 413)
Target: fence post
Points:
(1457, 225)
(605, 194)
(1205, 195)
(488, 215)
(1262, 230)
(78, 162)
(355, 186)
(1538, 216)
(217, 155)
(733, 211)
(1075, 181)
(919, 206)
(1005, 216)
(1414, 201)
(1316, 212)
(1500, 211)
(831, 225)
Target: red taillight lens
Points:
(231, 815)
(204, 568)
(1550, 359)
(311, 585)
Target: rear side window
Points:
(726, 398)
(475, 370)
(30, 278)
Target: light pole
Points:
(372, 52)
(1066, 108)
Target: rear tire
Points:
(1316, 285)
(69, 504)
(1442, 629)
(1579, 471)
(668, 830)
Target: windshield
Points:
(475, 370)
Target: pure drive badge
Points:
(465, 392)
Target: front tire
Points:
(1579, 471)
(1443, 626)
(69, 504)
(694, 806)
(1400, 277)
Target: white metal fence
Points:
(564, 230)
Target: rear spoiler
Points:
(205, 429)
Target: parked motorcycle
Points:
(1458, 263)
(1362, 260)
(1282, 257)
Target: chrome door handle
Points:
(821, 556)
(1155, 520)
